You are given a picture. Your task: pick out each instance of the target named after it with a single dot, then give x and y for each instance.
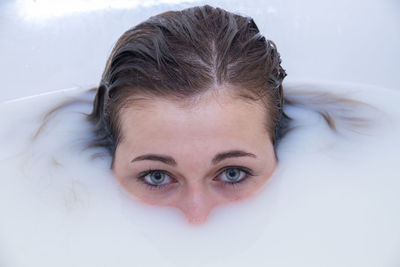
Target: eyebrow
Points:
(217, 158)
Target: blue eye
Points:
(156, 178)
(233, 175)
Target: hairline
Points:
(142, 99)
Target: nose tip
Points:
(196, 221)
(196, 206)
(197, 218)
(197, 213)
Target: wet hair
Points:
(183, 54)
(180, 55)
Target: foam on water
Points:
(333, 201)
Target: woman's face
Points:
(196, 156)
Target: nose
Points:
(196, 203)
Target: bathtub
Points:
(333, 201)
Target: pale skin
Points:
(203, 154)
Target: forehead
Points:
(218, 118)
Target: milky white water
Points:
(333, 201)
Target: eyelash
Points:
(248, 174)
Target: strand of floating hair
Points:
(38, 95)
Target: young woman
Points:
(191, 109)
